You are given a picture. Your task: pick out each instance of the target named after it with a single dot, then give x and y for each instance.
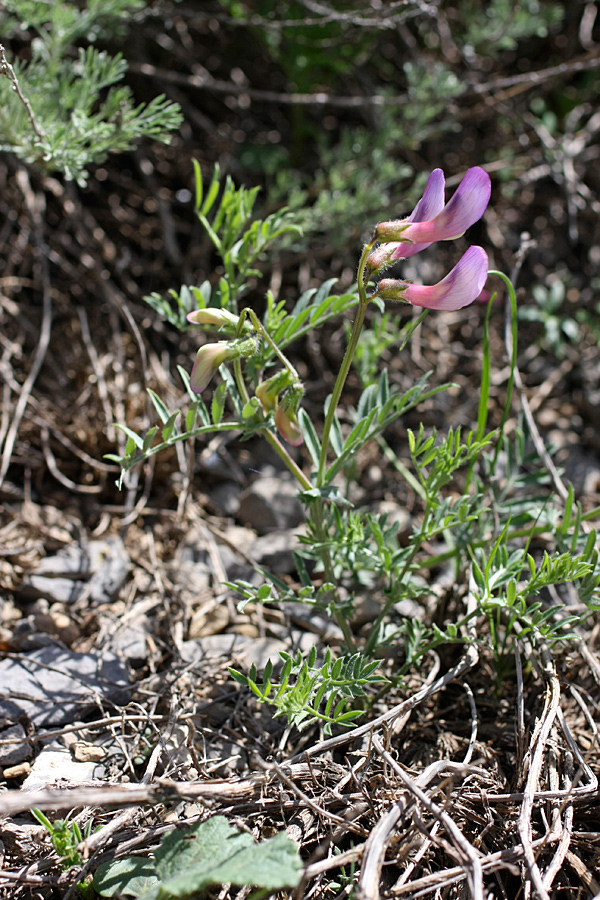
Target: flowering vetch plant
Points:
(278, 397)
(348, 549)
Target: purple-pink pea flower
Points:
(460, 287)
(448, 221)
(432, 220)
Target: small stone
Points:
(211, 621)
(110, 565)
(84, 752)
(226, 498)
(55, 765)
(23, 768)
(10, 713)
(6, 637)
(97, 570)
(57, 624)
(242, 650)
(366, 609)
(240, 539)
(192, 580)
(130, 642)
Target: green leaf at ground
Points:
(188, 862)
(128, 877)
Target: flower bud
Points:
(208, 360)
(381, 258)
(268, 392)
(211, 356)
(220, 318)
(287, 426)
(286, 419)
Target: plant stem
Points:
(346, 363)
(322, 537)
(318, 518)
(258, 326)
(373, 638)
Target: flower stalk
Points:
(363, 302)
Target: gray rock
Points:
(55, 765)
(239, 648)
(10, 713)
(274, 551)
(226, 498)
(53, 685)
(235, 564)
(97, 570)
(130, 642)
(192, 577)
(11, 754)
(271, 504)
(110, 565)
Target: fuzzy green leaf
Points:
(209, 853)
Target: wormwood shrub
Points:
(488, 509)
(62, 110)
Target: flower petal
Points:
(287, 426)
(208, 359)
(459, 288)
(429, 206)
(464, 209)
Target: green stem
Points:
(258, 326)
(373, 638)
(322, 537)
(346, 363)
(239, 380)
(512, 344)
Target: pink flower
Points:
(460, 287)
(431, 220)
